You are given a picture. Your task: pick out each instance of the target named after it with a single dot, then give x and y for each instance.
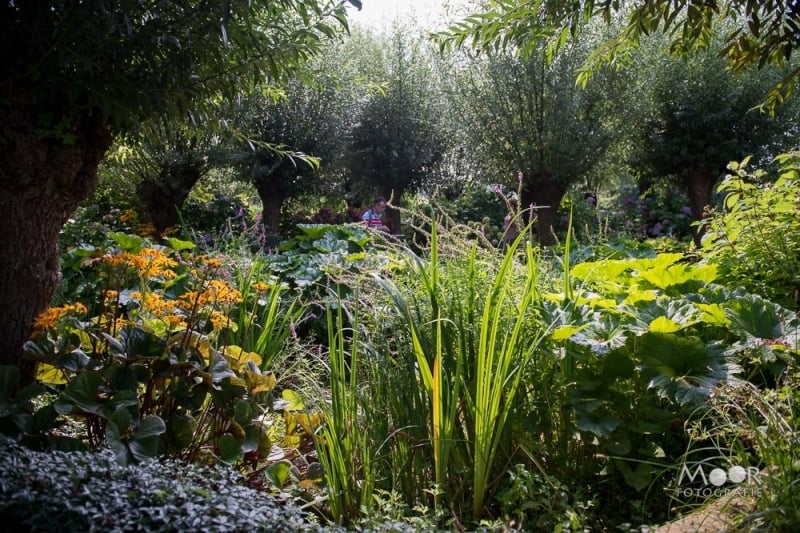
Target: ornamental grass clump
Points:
(434, 380)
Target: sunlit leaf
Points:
(46, 373)
(663, 324)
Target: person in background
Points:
(373, 217)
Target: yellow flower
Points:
(110, 295)
(158, 306)
(211, 262)
(175, 321)
(260, 286)
(188, 300)
(148, 230)
(220, 292)
(218, 320)
(127, 216)
(50, 318)
(156, 264)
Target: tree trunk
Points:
(164, 197)
(391, 215)
(699, 184)
(545, 194)
(42, 181)
(272, 197)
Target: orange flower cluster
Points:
(50, 318)
(217, 293)
(148, 263)
(260, 286)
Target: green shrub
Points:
(80, 491)
(755, 240)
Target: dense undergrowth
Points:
(439, 383)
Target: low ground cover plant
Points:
(83, 491)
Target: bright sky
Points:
(381, 13)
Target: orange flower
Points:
(218, 320)
(50, 318)
(260, 286)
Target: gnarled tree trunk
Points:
(163, 198)
(545, 194)
(42, 181)
(699, 184)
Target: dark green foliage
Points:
(220, 214)
(81, 491)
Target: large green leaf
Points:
(278, 473)
(638, 477)
(230, 450)
(683, 369)
(600, 423)
(179, 432)
(753, 316)
(141, 343)
(82, 392)
(145, 439)
(663, 315)
(116, 430)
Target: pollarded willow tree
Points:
(698, 116)
(76, 74)
(398, 141)
(300, 137)
(525, 114)
(761, 31)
